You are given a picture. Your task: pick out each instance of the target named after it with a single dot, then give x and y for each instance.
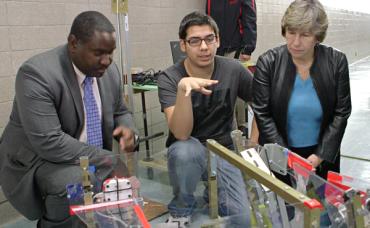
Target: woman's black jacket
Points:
(272, 86)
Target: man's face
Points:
(200, 45)
(94, 56)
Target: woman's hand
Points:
(315, 160)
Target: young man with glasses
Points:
(198, 96)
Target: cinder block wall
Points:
(28, 27)
(348, 31)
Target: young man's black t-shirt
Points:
(213, 114)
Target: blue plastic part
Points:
(75, 192)
(92, 169)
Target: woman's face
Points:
(300, 44)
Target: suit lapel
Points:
(106, 101)
(74, 89)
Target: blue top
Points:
(304, 114)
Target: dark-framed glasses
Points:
(197, 41)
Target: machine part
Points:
(263, 202)
(310, 207)
(237, 137)
(182, 222)
(212, 185)
(276, 157)
(87, 187)
(115, 189)
(120, 8)
(86, 182)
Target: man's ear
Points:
(72, 42)
(183, 45)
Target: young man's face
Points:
(200, 45)
(94, 56)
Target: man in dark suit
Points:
(50, 124)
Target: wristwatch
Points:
(136, 141)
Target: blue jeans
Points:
(187, 165)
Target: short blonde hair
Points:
(305, 15)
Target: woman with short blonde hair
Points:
(301, 91)
(306, 15)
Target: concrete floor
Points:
(354, 161)
(356, 142)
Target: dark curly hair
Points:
(196, 18)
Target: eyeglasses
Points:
(197, 41)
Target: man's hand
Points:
(315, 160)
(126, 138)
(244, 57)
(187, 84)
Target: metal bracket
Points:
(212, 185)
(119, 6)
(87, 186)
